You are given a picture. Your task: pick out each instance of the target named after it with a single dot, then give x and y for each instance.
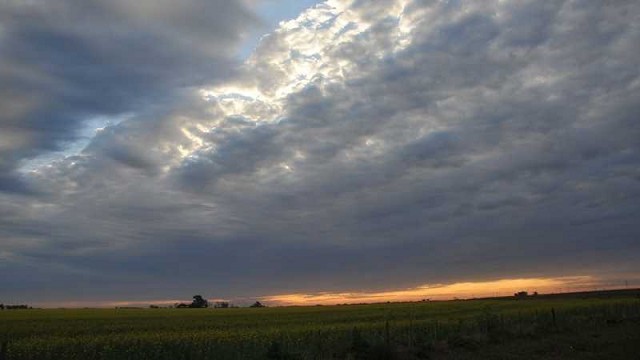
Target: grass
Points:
(557, 327)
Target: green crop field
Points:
(544, 327)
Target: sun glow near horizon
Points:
(502, 287)
(437, 292)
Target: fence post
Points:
(3, 350)
(411, 332)
(553, 316)
(387, 339)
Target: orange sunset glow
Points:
(503, 287)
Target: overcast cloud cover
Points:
(366, 145)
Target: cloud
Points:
(363, 146)
(65, 64)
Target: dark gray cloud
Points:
(66, 63)
(366, 145)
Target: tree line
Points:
(14, 307)
(199, 303)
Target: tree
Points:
(257, 304)
(199, 302)
(221, 305)
(521, 294)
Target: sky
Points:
(304, 152)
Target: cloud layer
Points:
(66, 65)
(366, 145)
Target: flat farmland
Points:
(595, 326)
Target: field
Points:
(596, 326)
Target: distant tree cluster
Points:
(221, 305)
(198, 303)
(14, 307)
(524, 294)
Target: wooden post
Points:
(435, 331)
(3, 350)
(553, 316)
(386, 333)
(411, 332)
